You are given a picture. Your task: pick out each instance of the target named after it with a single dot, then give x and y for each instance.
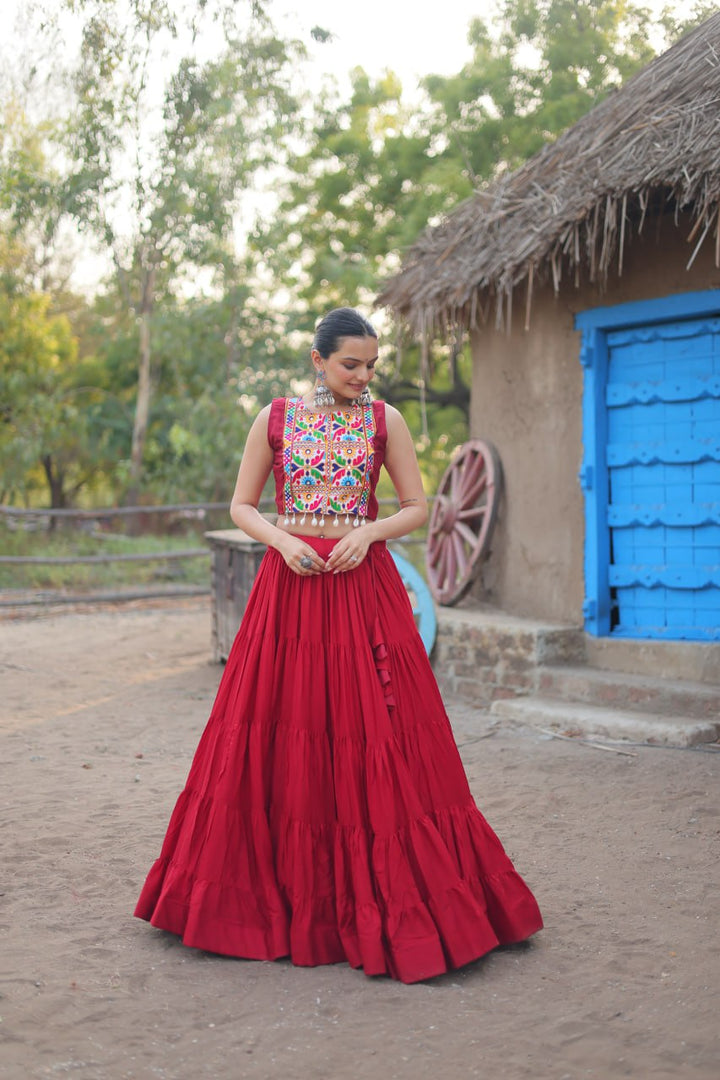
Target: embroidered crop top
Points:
(326, 464)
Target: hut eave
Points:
(574, 207)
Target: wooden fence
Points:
(39, 597)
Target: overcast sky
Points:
(412, 40)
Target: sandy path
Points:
(100, 715)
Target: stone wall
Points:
(481, 656)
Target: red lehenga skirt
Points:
(326, 815)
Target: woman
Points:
(327, 815)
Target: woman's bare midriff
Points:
(328, 531)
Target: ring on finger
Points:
(306, 562)
(353, 558)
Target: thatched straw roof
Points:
(573, 207)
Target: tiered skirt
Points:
(327, 816)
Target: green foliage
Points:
(174, 112)
(53, 431)
(544, 66)
(73, 543)
(215, 363)
(59, 425)
(352, 198)
(190, 153)
(29, 200)
(376, 171)
(33, 349)
(169, 127)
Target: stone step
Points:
(594, 721)
(622, 690)
(482, 653)
(696, 661)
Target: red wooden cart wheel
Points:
(462, 520)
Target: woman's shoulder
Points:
(265, 414)
(393, 417)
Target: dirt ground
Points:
(100, 714)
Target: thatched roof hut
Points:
(574, 207)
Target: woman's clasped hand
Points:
(347, 554)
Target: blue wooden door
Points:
(663, 470)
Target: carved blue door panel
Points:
(652, 452)
(663, 459)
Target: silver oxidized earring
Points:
(365, 398)
(323, 397)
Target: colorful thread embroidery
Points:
(327, 463)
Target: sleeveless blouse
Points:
(326, 464)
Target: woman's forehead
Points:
(363, 348)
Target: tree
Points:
(213, 376)
(30, 201)
(542, 66)
(177, 108)
(53, 421)
(67, 381)
(376, 171)
(354, 199)
(37, 425)
(353, 195)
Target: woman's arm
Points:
(402, 465)
(255, 466)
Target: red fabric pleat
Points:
(327, 815)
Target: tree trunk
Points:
(458, 395)
(231, 349)
(55, 478)
(144, 391)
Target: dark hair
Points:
(341, 323)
